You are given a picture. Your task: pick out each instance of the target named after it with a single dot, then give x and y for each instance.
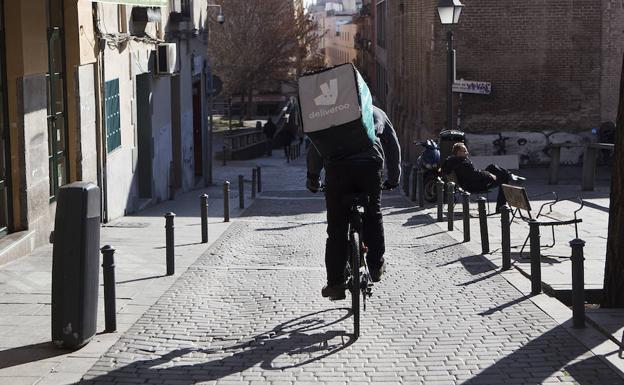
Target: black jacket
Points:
(385, 150)
(468, 177)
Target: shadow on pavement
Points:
(29, 353)
(529, 363)
(295, 343)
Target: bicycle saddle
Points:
(357, 199)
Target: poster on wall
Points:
(142, 3)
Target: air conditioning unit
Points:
(166, 59)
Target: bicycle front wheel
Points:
(354, 261)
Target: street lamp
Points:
(449, 11)
(208, 179)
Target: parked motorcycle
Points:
(429, 163)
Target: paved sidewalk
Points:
(26, 354)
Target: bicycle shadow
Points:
(292, 344)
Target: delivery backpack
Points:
(337, 111)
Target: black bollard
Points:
(223, 152)
(108, 271)
(578, 283)
(466, 214)
(483, 227)
(259, 178)
(203, 207)
(450, 204)
(536, 268)
(405, 170)
(254, 182)
(226, 201)
(506, 237)
(421, 188)
(169, 243)
(241, 192)
(414, 184)
(440, 197)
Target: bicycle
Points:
(359, 278)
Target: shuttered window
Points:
(113, 123)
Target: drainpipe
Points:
(100, 139)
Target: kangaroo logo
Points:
(329, 93)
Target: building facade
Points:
(110, 93)
(552, 67)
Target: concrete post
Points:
(259, 178)
(241, 192)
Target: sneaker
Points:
(334, 292)
(377, 273)
(516, 178)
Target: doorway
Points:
(144, 134)
(5, 169)
(197, 129)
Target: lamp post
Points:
(449, 11)
(208, 162)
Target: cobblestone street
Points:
(249, 311)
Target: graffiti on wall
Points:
(531, 147)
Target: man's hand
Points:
(387, 185)
(313, 183)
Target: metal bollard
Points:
(241, 192)
(578, 283)
(169, 243)
(108, 271)
(223, 152)
(405, 169)
(536, 268)
(421, 188)
(414, 184)
(203, 208)
(440, 196)
(483, 227)
(466, 214)
(226, 201)
(259, 178)
(506, 237)
(450, 202)
(254, 182)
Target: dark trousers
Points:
(502, 177)
(341, 180)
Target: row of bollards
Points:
(108, 252)
(446, 194)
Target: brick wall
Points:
(552, 65)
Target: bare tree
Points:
(613, 293)
(258, 45)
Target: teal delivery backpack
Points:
(337, 111)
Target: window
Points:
(57, 126)
(113, 122)
(381, 24)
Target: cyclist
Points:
(359, 173)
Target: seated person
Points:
(473, 180)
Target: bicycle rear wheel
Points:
(354, 261)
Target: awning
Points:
(142, 3)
